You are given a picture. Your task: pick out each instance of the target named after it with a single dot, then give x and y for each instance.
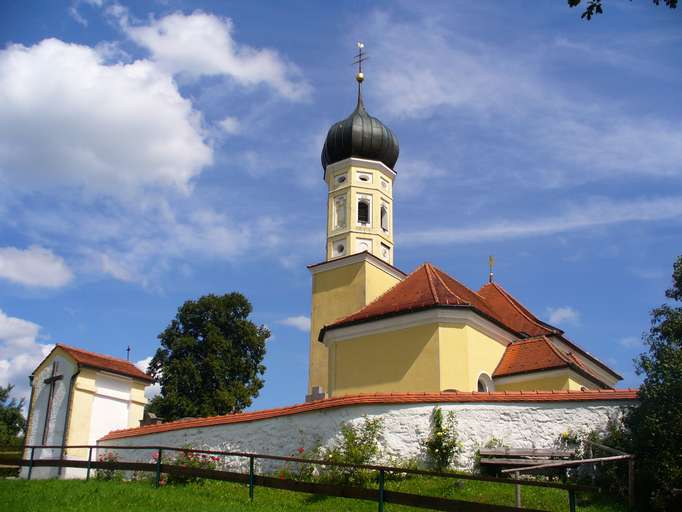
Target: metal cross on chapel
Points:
(51, 382)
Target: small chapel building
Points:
(376, 329)
(77, 397)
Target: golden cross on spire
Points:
(359, 59)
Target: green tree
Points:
(656, 423)
(596, 6)
(12, 421)
(210, 360)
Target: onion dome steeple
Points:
(360, 135)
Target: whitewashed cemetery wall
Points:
(518, 425)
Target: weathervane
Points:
(491, 265)
(128, 353)
(359, 59)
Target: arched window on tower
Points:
(384, 217)
(363, 211)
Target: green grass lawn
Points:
(211, 496)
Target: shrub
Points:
(187, 459)
(108, 474)
(359, 444)
(442, 445)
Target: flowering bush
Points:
(186, 459)
(442, 445)
(108, 474)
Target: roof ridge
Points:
(438, 273)
(558, 352)
(521, 309)
(429, 271)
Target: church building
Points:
(76, 397)
(376, 329)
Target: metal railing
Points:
(380, 494)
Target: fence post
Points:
(381, 490)
(518, 491)
(571, 500)
(251, 479)
(87, 476)
(631, 482)
(30, 463)
(158, 468)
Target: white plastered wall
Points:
(58, 411)
(534, 424)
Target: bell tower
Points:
(358, 157)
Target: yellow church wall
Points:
(535, 382)
(397, 361)
(137, 403)
(81, 412)
(337, 293)
(466, 353)
(576, 382)
(483, 354)
(378, 282)
(453, 350)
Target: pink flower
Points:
(301, 450)
(215, 459)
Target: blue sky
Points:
(153, 152)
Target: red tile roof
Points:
(424, 288)
(104, 362)
(383, 399)
(539, 354)
(518, 317)
(514, 313)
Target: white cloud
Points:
(555, 136)
(230, 125)
(202, 44)
(35, 266)
(20, 352)
(577, 217)
(631, 342)
(563, 315)
(110, 128)
(301, 322)
(153, 390)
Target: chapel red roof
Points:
(104, 362)
(538, 354)
(424, 288)
(383, 398)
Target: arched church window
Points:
(384, 217)
(363, 211)
(485, 383)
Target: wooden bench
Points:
(521, 457)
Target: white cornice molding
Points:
(360, 162)
(443, 316)
(357, 258)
